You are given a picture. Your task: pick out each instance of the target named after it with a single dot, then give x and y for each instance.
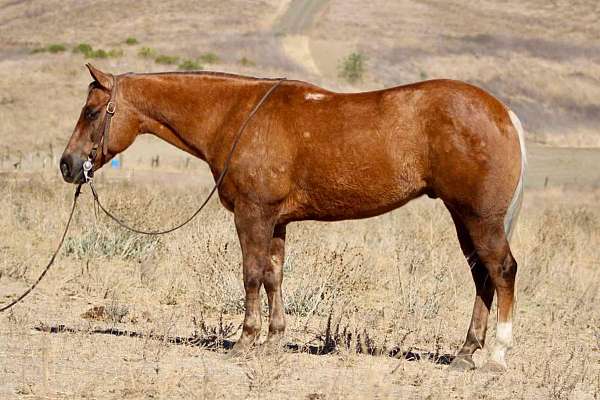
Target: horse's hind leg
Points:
(484, 295)
(492, 249)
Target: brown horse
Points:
(312, 154)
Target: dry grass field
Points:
(126, 316)
(398, 280)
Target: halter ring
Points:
(88, 172)
(111, 107)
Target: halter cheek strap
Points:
(101, 136)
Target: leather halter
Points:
(101, 137)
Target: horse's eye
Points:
(90, 114)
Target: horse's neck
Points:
(192, 112)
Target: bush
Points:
(89, 52)
(352, 68)
(164, 59)
(147, 52)
(56, 48)
(246, 62)
(131, 41)
(210, 58)
(115, 53)
(189, 65)
(100, 242)
(99, 53)
(83, 48)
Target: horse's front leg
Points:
(273, 278)
(255, 231)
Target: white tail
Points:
(512, 214)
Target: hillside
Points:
(541, 58)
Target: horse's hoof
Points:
(462, 363)
(238, 351)
(493, 367)
(272, 346)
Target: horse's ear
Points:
(105, 80)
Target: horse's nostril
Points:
(64, 169)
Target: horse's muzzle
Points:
(71, 168)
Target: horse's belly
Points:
(354, 197)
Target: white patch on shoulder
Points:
(314, 96)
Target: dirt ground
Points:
(123, 316)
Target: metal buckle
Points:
(88, 172)
(111, 107)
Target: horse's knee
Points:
(252, 324)
(508, 268)
(253, 273)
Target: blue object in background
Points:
(115, 163)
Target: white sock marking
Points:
(503, 342)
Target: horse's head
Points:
(107, 125)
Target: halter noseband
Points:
(101, 136)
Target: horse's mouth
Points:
(71, 169)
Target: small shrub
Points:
(189, 65)
(98, 53)
(83, 48)
(147, 52)
(38, 50)
(246, 62)
(89, 52)
(423, 75)
(115, 53)
(56, 48)
(101, 243)
(352, 68)
(164, 59)
(131, 41)
(209, 58)
(116, 312)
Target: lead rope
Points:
(236, 140)
(62, 239)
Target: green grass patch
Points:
(353, 67)
(99, 53)
(209, 58)
(164, 59)
(131, 41)
(83, 48)
(190, 65)
(246, 62)
(147, 52)
(89, 52)
(56, 48)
